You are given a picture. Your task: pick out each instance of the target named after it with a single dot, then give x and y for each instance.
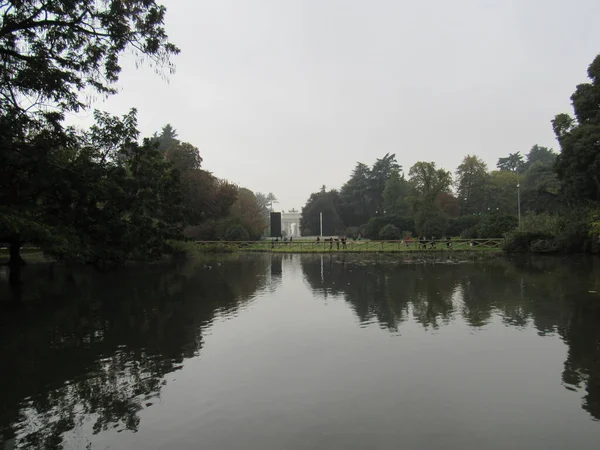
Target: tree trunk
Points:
(15, 254)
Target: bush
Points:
(236, 232)
(460, 225)
(434, 226)
(495, 225)
(469, 233)
(541, 223)
(374, 226)
(544, 246)
(390, 233)
(352, 231)
(521, 241)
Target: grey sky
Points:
(286, 95)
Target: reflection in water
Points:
(95, 348)
(85, 353)
(555, 295)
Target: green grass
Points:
(352, 247)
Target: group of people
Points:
(423, 241)
(338, 241)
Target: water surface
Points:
(304, 352)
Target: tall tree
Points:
(355, 196)
(471, 184)
(248, 213)
(542, 155)
(578, 164)
(320, 202)
(184, 156)
(395, 195)
(382, 169)
(53, 50)
(428, 181)
(271, 199)
(166, 138)
(511, 163)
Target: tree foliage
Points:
(472, 181)
(53, 50)
(578, 165)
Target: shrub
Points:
(541, 223)
(390, 233)
(544, 246)
(236, 232)
(374, 226)
(495, 225)
(521, 241)
(460, 225)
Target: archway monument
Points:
(290, 223)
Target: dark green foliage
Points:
(472, 180)
(373, 227)
(578, 164)
(390, 233)
(458, 225)
(521, 242)
(512, 163)
(326, 202)
(52, 50)
(236, 232)
(493, 225)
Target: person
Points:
(337, 243)
(407, 241)
(291, 239)
(344, 242)
(422, 243)
(432, 243)
(448, 243)
(330, 243)
(318, 239)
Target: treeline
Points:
(102, 195)
(212, 208)
(558, 194)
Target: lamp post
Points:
(519, 198)
(321, 224)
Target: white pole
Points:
(519, 198)
(321, 224)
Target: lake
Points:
(259, 351)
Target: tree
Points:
(320, 202)
(428, 181)
(271, 199)
(248, 213)
(502, 192)
(395, 195)
(578, 164)
(471, 184)
(52, 50)
(381, 171)
(542, 155)
(512, 163)
(184, 156)
(390, 233)
(166, 138)
(355, 196)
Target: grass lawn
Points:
(489, 246)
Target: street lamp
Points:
(519, 198)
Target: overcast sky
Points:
(287, 95)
